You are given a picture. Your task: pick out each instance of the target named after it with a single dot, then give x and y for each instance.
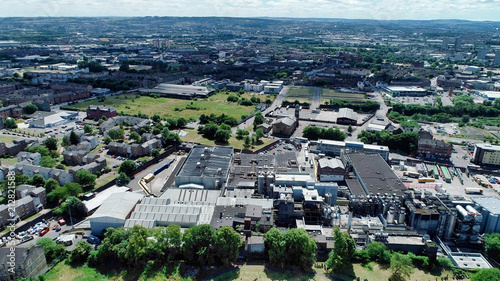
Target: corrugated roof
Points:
(118, 205)
(331, 163)
(347, 113)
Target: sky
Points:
(478, 10)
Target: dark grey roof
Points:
(214, 158)
(375, 174)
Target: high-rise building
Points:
(497, 58)
(481, 53)
(157, 43)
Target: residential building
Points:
(97, 112)
(30, 262)
(486, 154)
(434, 149)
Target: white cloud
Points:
(365, 9)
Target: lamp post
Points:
(69, 210)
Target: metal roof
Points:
(492, 204)
(205, 161)
(330, 163)
(118, 205)
(375, 174)
(347, 113)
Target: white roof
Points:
(118, 205)
(332, 163)
(102, 196)
(227, 201)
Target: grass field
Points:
(174, 108)
(7, 139)
(6, 162)
(300, 94)
(193, 136)
(328, 94)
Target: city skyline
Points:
(476, 10)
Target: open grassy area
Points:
(8, 161)
(193, 136)
(328, 94)
(300, 94)
(104, 179)
(7, 139)
(173, 108)
(63, 271)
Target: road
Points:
(382, 112)
(277, 102)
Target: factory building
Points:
(205, 167)
(373, 173)
(334, 148)
(489, 208)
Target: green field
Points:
(174, 108)
(328, 94)
(300, 94)
(7, 139)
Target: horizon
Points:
(386, 10)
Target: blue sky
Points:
(357, 9)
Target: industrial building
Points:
(114, 211)
(489, 208)
(205, 167)
(179, 91)
(347, 116)
(374, 174)
(486, 154)
(50, 119)
(331, 169)
(334, 148)
(434, 149)
(411, 91)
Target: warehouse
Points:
(206, 167)
(114, 211)
(179, 91)
(347, 116)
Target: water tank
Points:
(476, 228)
(391, 215)
(463, 213)
(491, 224)
(477, 217)
(450, 224)
(328, 198)
(464, 227)
(260, 184)
(402, 216)
(474, 237)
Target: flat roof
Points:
(102, 196)
(487, 146)
(210, 159)
(199, 196)
(470, 260)
(375, 174)
(405, 88)
(492, 204)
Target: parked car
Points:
(93, 239)
(61, 221)
(44, 231)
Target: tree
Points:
(241, 133)
(86, 179)
(247, 142)
(198, 248)
(116, 134)
(51, 143)
(492, 245)
(75, 205)
(222, 135)
(378, 252)
(73, 188)
(170, 138)
(136, 252)
(276, 247)
(227, 245)
(107, 140)
(311, 132)
(155, 152)
(259, 134)
(490, 274)
(169, 241)
(74, 139)
(343, 251)
(10, 123)
(291, 248)
(38, 180)
(48, 162)
(50, 185)
(65, 141)
(122, 179)
(258, 119)
(30, 108)
(80, 253)
(135, 136)
(87, 129)
(401, 266)
(349, 129)
(50, 248)
(127, 167)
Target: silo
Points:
(491, 224)
(260, 183)
(452, 218)
(463, 214)
(402, 216)
(476, 228)
(391, 215)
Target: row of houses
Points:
(29, 200)
(136, 150)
